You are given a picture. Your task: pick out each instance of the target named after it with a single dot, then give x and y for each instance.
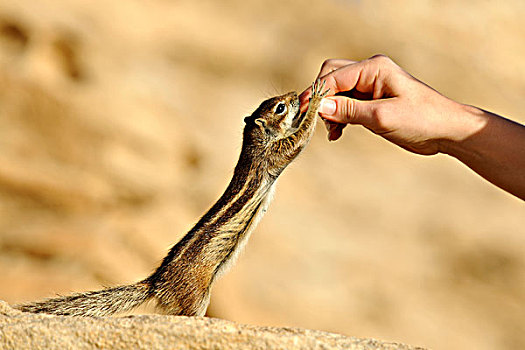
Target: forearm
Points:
(492, 146)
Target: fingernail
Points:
(327, 107)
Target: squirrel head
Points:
(276, 118)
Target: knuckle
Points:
(348, 110)
(332, 64)
(383, 61)
(327, 63)
(327, 66)
(332, 83)
(382, 58)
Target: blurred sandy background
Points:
(120, 124)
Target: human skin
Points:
(379, 95)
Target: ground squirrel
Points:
(273, 136)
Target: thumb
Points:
(345, 110)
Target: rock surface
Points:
(27, 331)
(120, 124)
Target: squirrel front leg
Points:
(293, 144)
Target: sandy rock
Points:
(27, 331)
(120, 125)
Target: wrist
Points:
(464, 122)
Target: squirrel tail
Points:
(103, 302)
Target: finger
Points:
(304, 98)
(327, 124)
(364, 76)
(328, 66)
(344, 110)
(331, 126)
(336, 131)
(344, 79)
(332, 64)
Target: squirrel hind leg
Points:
(169, 302)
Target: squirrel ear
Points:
(261, 122)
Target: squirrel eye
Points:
(280, 109)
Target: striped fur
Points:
(181, 284)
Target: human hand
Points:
(379, 95)
(385, 99)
